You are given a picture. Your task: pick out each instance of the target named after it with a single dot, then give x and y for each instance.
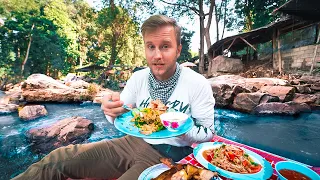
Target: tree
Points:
(253, 14)
(117, 29)
(185, 54)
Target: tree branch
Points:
(177, 4)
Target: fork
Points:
(127, 107)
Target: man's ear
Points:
(179, 50)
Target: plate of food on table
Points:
(231, 161)
(168, 170)
(146, 122)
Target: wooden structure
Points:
(272, 32)
(90, 68)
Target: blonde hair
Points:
(156, 21)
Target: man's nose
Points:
(157, 54)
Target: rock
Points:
(285, 93)
(41, 81)
(310, 99)
(80, 84)
(246, 102)
(57, 95)
(8, 108)
(32, 112)
(71, 78)
(288, 108)
(315, 87)
(222, 94)
(310, 79)
(304, 89)
(225, 64)
(71, 130)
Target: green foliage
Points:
(252, 14)
(185, 54)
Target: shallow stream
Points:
(297, 138)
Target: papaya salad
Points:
(232, 158)
(148, 119)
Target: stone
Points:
(73, 130)
(41, 81)
(225, 64)
(285, 93)
(246, 102)
(288, 108)
(32, 112)
(8, 108)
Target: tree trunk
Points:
(217, 23)
(28, 50)
(224, 19)
(248, 16)
(201, 54)
(114, 38)
(207, 29)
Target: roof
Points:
(259, 35)
(90, 68)
(305, 9)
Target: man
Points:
(125, 158)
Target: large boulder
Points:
(312, 100)
(225, 65)
(277, 108)
(32, 112)
(41, 81)
(224, 93)
(79, 84)
(72, 130)
(246, 102)
(285, 93)
(57, 95)
(8, 108)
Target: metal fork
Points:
(127, 107)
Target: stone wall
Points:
(298, 58)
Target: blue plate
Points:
(124, 124)
(155, 171)
(264, 173)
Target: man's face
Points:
(162, 51)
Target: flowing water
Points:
(296, 138)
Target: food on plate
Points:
(232, 158)
(148, 119)
(291, 174)
(184, 172)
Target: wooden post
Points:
(279, 52)
(274, 46)
(315, 50)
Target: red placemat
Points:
(272, 158)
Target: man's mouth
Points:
(158, 65)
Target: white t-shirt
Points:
(192, 95)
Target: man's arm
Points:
(202, 111)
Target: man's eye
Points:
(165, 46)
(151, 46)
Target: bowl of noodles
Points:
(232, 161)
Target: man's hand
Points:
(112, 106)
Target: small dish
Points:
(173, 121)
(295, 166)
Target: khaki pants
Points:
(123, 158)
